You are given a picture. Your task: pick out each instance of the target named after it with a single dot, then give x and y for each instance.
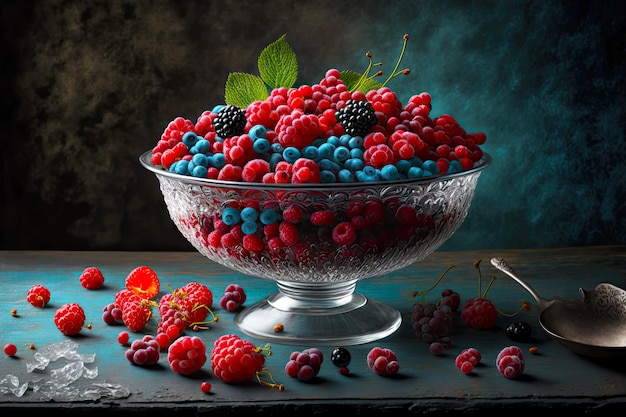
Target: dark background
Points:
(87, 86)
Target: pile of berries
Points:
(234, 296)
(383, 361)
(510, 362)
(304, 365)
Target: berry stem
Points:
(524, 307)
(423, 293)
(395, 71)
(480, 277)
(269, 384)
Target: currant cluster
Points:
(431, 322)
(233, 297)
(304, 365)
(144, 351)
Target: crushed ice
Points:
(57, 384)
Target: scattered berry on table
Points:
(234, 296)
(38, 295)
(519, 331)
(186, 355)
(91, 278)
(235, 360)
(205, 387)
(341, 358)
(144, 351)
(123, 337)
(436, 348)
(14, 312)
(69, 318)
(279, 328)
(534, 350)
(305, 364)
(143, 282)
(10, 349)
(510, 362)
(111, 314)
(383, 361)
(468, 359)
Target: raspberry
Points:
(123, 337)
(91, 278)
(187, 355)
(383, 361)
(234, 360)
(479, 313)
(143, 282)
(297, 129)
(510, 362)
(322, 218)
(38, 295)
(69, 318)
(136, 315)
(288, 233)
(467, 360)
(344, 234)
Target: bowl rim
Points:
(145, 160)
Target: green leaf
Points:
(242, 89)
(352, 78)
(278, 65)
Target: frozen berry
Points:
(510, 362)
(383, 361)
(187, 355)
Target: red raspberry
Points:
(91, 278)
(124, 296)
(187, 355)
(69, 318)
(38, 295)
(479, 313)
(297, 129)
(467, 359)
(510, 362)
(143, 282)
(136, 315)
(322, 218)
(288, 233)
(382, 361)
(234, 360)
(344, 234)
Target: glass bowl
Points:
(316, 242)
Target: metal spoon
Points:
(593, 325)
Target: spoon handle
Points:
(503, 266)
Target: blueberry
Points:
(519, 331)
(340, 357)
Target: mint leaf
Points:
(242, 89)
(352, 78)
(278, 65)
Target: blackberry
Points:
(357, 117)
(230, 121)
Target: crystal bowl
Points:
(316, 241)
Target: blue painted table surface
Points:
(555, 377)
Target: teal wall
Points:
(87, 86)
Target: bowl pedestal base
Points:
(318, 315)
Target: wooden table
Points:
(555, 378)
